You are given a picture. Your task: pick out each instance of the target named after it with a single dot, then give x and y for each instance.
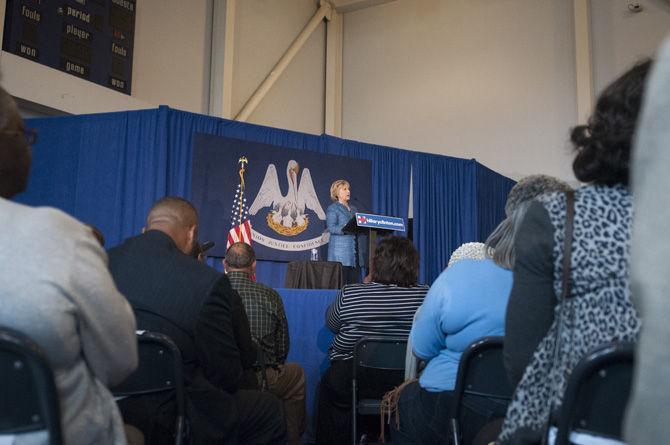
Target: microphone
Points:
(361, 208)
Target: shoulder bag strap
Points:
(565, 294)
(567, 244)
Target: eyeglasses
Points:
(29, 134)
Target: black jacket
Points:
(194, 305)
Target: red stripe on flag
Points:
(241, 233)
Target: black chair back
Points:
(28, 397)
(597, 393)
(481, 374)
(160, 369)
(379, 366)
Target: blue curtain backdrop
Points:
(107, 169)
(492, 190)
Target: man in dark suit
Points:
(173, 294)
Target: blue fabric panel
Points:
(444, 200)
(492, 190)
(310, 338)
(107, 169)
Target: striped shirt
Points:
(373, 309)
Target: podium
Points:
(314, 275)
(372, 225)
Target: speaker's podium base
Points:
(314, 275)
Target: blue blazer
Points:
(341, 247)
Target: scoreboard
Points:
(90, 39)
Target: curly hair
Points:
(396, 261)
(603, 145)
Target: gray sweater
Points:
(55, 287)
(647, 421)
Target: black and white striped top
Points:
(371, 309)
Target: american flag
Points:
(239, 215)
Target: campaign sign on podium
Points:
(380, 222)
(371, 225)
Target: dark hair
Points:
(97, 233)
(396, 261)
(603, 146)
(15, 156)
(240, 256)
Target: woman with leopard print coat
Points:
(600, 309)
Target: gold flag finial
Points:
(242, 161)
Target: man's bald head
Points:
(176, 217)
(174, 211)
(15, 156)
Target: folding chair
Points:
(28, 398)
(160, 369)
(379, 366)
(481, 375)
(597, 394)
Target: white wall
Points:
(620, 38)
(172, 53)
(484, 79)
(171, 65)
(491, 80)
(264, 29)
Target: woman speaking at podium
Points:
(341, 247)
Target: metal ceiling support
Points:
(222, 58)
(324, 12)
(583, 59)
(333, 104)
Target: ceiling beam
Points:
(583, 60)
(324, 12)
(343, 6)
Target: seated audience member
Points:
(466, 302)
(472, 251)
(241, 328)
(173, 294)
(269, 328)
(384, 307)
(599, 309)
(647, 421)
(63, 298)
(245, 343)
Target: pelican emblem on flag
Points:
(287, 212)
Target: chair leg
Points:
(454, 432)
(179, 431)
(353, 411)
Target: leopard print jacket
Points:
(600, 312)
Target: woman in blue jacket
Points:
(341, 247)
